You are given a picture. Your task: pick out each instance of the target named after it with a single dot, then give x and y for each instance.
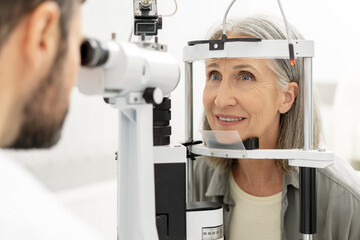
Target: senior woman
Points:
(262, 98)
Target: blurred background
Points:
(81, 169)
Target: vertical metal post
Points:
(308, 208)
(189, 125)
(307, 237)
(308, 114)
(136, 187)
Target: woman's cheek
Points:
(208, 97)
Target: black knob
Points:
(153, 95)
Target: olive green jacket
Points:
(338, 200)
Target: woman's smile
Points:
(228, 120)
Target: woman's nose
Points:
(225, 96)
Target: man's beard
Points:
(44, 114)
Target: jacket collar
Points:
(292, 178)
(218, 183)
(219, 186)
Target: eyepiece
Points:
(93, 53)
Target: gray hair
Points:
(291, 134)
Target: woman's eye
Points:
(214, 77)
(246, 77)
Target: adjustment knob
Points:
(153, 95)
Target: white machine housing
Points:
(205, 225)
(264, 49)
(130, 68)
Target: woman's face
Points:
(243, 95)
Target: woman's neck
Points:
(258, 177)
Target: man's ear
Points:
(42, 38)
(289, 94)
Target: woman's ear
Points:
(289, 94)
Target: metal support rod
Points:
(308, 200)
(136, 187)
(307, 237)
(308, 113)
(189, 125)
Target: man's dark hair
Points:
(13, 11)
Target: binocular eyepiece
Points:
(93, 53)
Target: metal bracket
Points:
(296, 157)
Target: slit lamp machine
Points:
(155, 178)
